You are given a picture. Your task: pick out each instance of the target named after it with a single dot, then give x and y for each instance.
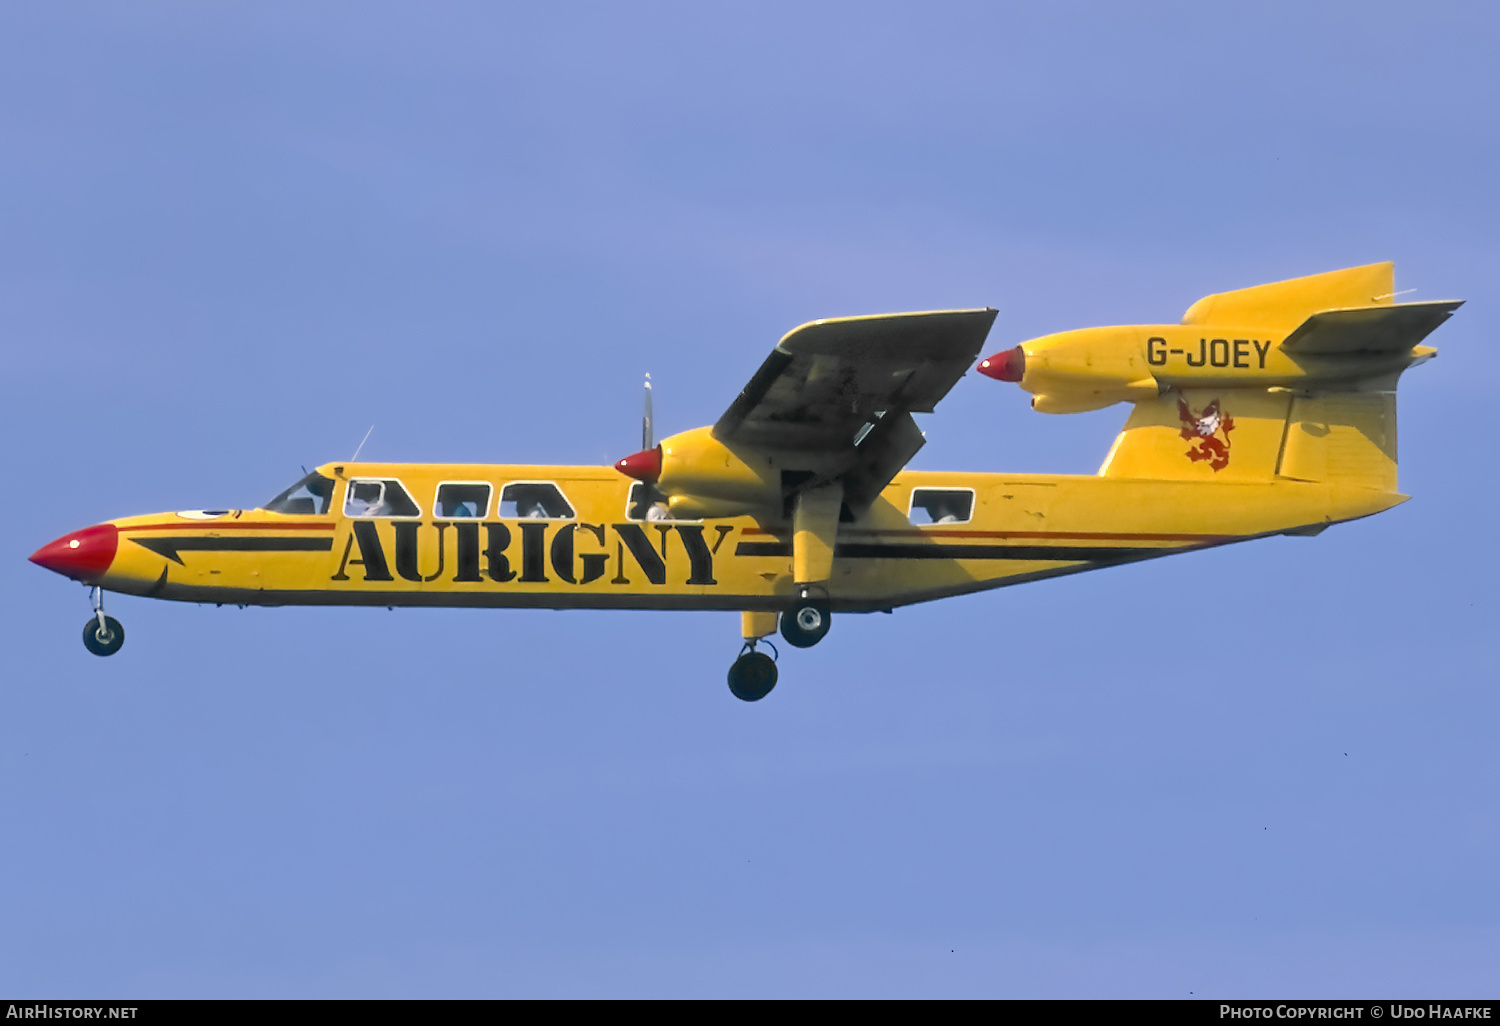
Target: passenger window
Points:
(456, 499)
(534, 500)
(310, 495)
(941, 505)
(647, 502)
(370, 497)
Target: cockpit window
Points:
(378, 497)
(463, 499)
(534, 499)
(309, 496)
(942, 505)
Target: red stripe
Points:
(214, 525)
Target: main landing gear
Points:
(805, 624)
(102, 635)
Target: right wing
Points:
(826, 380)
(850, 385)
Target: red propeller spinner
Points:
(1007, 366)
(643, 466)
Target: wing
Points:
(850, 385)
(1369, 329)
(825, 381)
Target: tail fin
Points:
(1345, 437)
(1202, 434)
(1329, 416)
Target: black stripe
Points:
(170, 547)
(860, 550)
(763, 549)
(865, 550)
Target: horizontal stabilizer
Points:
(1370, 329)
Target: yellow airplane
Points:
(1268, 410)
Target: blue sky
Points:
(233, 236)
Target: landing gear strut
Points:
(753, 674)
(805, 624)
(102, 635)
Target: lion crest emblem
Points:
(1207, 432)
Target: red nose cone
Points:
(643, 466)
(1007, 366)
(83, 555)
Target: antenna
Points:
(362, 442)
(647, 429)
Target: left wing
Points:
(849, 385)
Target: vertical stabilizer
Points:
(1203, 434)
(1260, 435)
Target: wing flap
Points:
(1372, 329)
(880, 455)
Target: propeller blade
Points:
(647, 429)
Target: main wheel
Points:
(752, 676)
(106, 640)
(804, 625)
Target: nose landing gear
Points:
(102, 635)
(753, 674)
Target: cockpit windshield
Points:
(310, 495)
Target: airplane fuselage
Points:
(1017, 528)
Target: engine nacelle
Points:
(697, 467)
(1089, 369)
(1337, 330)
(1076, 371)
(700, 476)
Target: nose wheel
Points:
(102, 635)
(753, 675)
